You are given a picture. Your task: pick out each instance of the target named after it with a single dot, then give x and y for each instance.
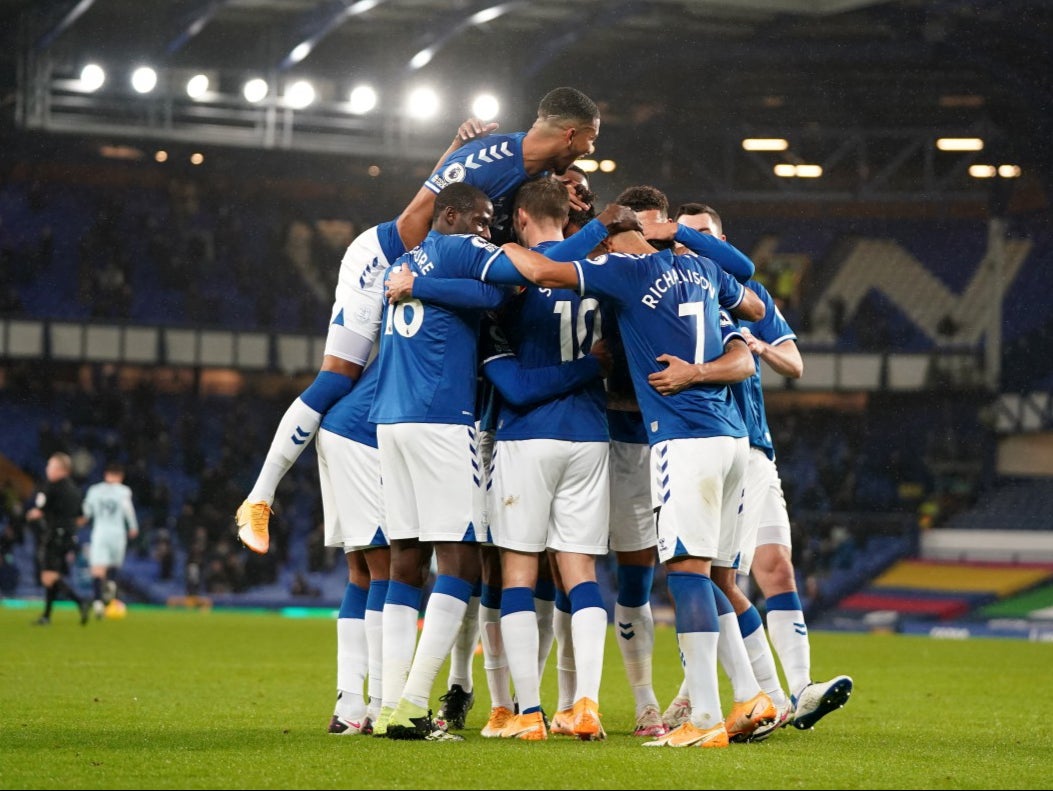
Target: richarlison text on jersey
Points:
(673, 277)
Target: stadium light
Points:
(1009, 171)
(787, 170)
(300, 51)
(363, 99)
(960, 144)
(765, 144)
(983, 171)
(197, 86)
(422, 104)
(485, 106)
(144, 79)
(255, 89)
(608, 165)
(161, 156)
(92, 77)
(488, 14)
(299, 95)
(197, 158)
(422, 58)
(588, 165)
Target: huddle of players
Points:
(562, 479)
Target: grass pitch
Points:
(185, 700)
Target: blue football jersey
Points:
(626, 426)
(548, 327)
(349, 417)
(749, 394)
(427, 360)
(494, 164)
(670, 304)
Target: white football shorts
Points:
(486, 466)
(352, 500)
(354, 323)
(698, 485)
(764, 516)
(632, 514)
(433, 488)
(550, 493)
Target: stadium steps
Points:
(1024, 504)
(886, 265)
(941, 590)
(1034, 604)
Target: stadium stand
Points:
(117, 242)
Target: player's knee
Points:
(776, 576)
(326, 389)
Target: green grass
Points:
(174, 699)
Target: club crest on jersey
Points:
(599, 260)
(479, 241)
(453, 172)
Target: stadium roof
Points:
(683, 66)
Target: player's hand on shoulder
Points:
(474, 128)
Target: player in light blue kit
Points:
(108, 505)
(566, 127)
(667, 309)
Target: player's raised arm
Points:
(415, 220)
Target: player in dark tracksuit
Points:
(57, 509)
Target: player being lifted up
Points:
(566, 127)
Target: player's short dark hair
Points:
(568, 104)
(692, 209)
(644, 198)
(114, 467)
(458, 196)
(544, 197)
(581, 216)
